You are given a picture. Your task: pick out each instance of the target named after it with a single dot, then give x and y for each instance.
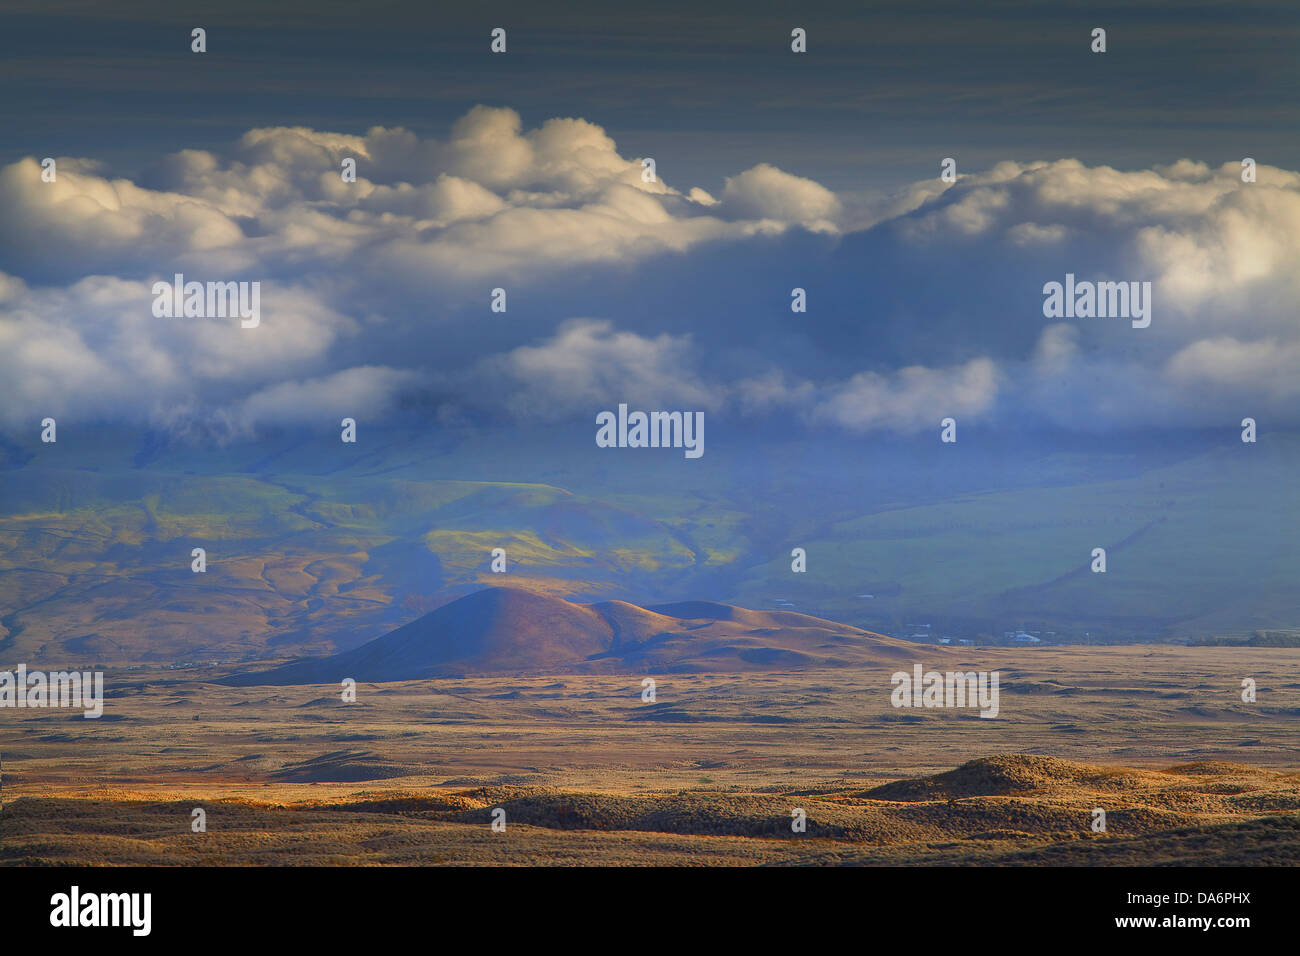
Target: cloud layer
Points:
(623, 287)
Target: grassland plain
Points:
(1157, 736)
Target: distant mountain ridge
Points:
(309, 554)
(512, 631)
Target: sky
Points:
(775, 170)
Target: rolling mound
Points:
(509, 631)
(1206, 787)
(342, 766)
(1004, 775)
(1034, 810)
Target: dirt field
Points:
(708, 774)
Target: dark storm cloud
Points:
(885, 91)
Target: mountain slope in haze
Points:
(511, 631)
(315, 547)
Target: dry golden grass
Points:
(586, 773)
(1004, 810)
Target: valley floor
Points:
(710, 773)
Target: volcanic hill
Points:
(512, 631)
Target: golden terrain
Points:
(1158, 737)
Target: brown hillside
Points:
(508, 631)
